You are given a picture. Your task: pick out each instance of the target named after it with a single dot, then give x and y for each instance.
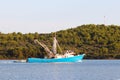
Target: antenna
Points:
(104, 20)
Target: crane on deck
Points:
(50, 53)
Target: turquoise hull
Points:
(77, 58)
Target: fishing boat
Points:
(52, 56)
(77, 58)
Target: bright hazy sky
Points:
(45, 16)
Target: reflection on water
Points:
(86, 70)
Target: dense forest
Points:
(96, 41)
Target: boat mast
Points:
(54, 45)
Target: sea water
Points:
(85, 70)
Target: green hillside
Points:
(96, 41)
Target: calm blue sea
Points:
(85, 70)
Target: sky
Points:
(45, 16)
